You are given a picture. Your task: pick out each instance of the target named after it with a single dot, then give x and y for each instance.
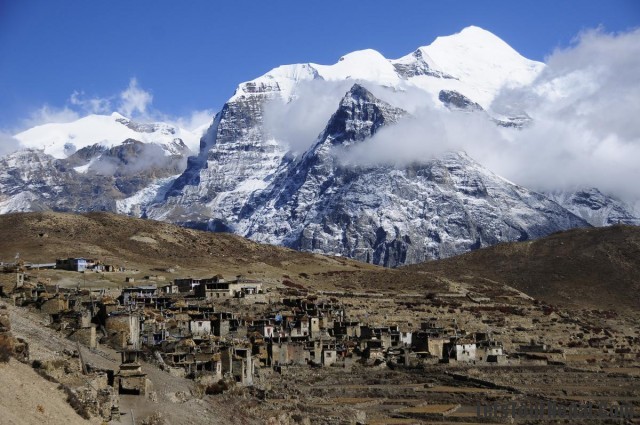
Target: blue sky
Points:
(191, 55)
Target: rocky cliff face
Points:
(595, 207)
(236, 158)
(392, 215)
(94, 178)
(34, 181)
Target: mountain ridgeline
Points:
(243, 178)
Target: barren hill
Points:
(31, 399)
(592, 268)
(148, 244)
(153, 246)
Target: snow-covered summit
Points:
(63, 139)
(482, 60)
(473, 62)
(367, 65)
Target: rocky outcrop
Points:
(94, 178)
(10, 346)
(595, 207)
(457, 101)
(419, 65)
(392, 215)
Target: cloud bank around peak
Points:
(584, 132)
(585, 107)
(298, 122)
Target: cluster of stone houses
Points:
(184, 326)
(192, 335)
(81, 264)
(76, 264)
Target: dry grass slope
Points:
(590, 268)
(149, 245)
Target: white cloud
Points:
(8, 143)
(134, 100)
(585, 130)
(299, 122)
(585, 106)
(47, 114)
(424, 135)
(195, 121)
(92, 105)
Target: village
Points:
(228, 332)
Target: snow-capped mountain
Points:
(247, 179)
(595, 207)
(392, 215)
(63, 139)
(238, 157)
(99, 162)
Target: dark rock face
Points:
(389, 215)
(359, 116)
(595, 207)
(419, 67)
(33, 180)
(454, 100)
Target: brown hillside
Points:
(147, 244)
(27, 398)
(150, 246)
(593, 268)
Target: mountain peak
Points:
(364, 55)
(473, 36)
(482, 61)
(358, 91)
(118, 115)
(359, 116)
(367, 65)
(360, 95)
(59, 139)
(475, 30)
